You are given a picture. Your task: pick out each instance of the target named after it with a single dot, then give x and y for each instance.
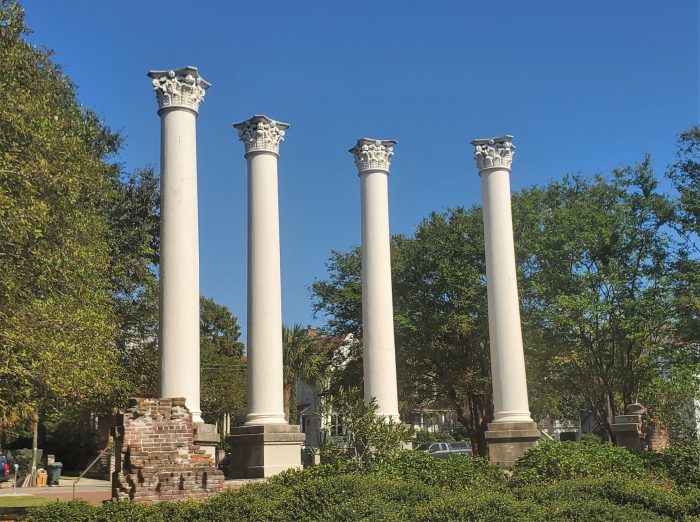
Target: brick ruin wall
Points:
(156, 458)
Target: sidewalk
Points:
(90, 490)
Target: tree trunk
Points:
(474, 413)
(287, 391)
(35, 447)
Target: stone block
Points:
(264, 451)
(507, 441)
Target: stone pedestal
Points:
(265, 450)
(507, 441)
(206, 437)
(627, 430)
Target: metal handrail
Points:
(75, 482)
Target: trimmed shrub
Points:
(355, 495)
(75, 511)
(293, 477)
(268, 502)
(460, 471)
(480, 506)
(600, 511)
(617, 490)
(681, 462)
(552, 461)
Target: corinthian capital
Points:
(373, 154)
(261, 134)
(494, 152)
(183, 88)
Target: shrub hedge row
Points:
(554, 481)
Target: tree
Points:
(223, 370)
(442, 319)
(367, 438)
(134, 222)
(440, 316)
(597, 259)
(57, 325)
(304, 359)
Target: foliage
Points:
(616, 489)
(682, 462)
(57, 321)
(597, 260)
(459, 471)
(433, 436)
(375, 496)
(440, 316)
(367, 438)
(304, 358)
(553, 461)
(223, 371)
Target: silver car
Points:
(443, 450)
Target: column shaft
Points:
(507, 359)
(377, 305)
(179, 93)
(179, 260)
(265, 396)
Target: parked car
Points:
(443, 450)
(4, 468)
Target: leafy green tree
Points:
(304, 359)
(223, 370)
(597, 260)
(134, 223)
(442, 319)
(57, 324)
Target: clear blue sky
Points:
(583, 87)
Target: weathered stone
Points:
(507, 441)
(264, 451)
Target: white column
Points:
(261, 137)
(493, 159)
(179, 93)
(372, 159)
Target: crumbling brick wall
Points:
(156, 458)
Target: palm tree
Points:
(304, 358)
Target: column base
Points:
(627, 430)
(507, 441)
(264, 451)
(206, 437)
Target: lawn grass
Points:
(23, 500)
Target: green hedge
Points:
(551, 461)
(418, 487)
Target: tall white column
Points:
(261, 137)
(372, 158)
(179, 93)
(493, 159)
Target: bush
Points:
(484, 506)
(551, 461)
(268, 502)
(681, 462)
(353, 497)
(75, 511)
(292, 477)
(643, 494)
(584, 510)
(460, 471)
